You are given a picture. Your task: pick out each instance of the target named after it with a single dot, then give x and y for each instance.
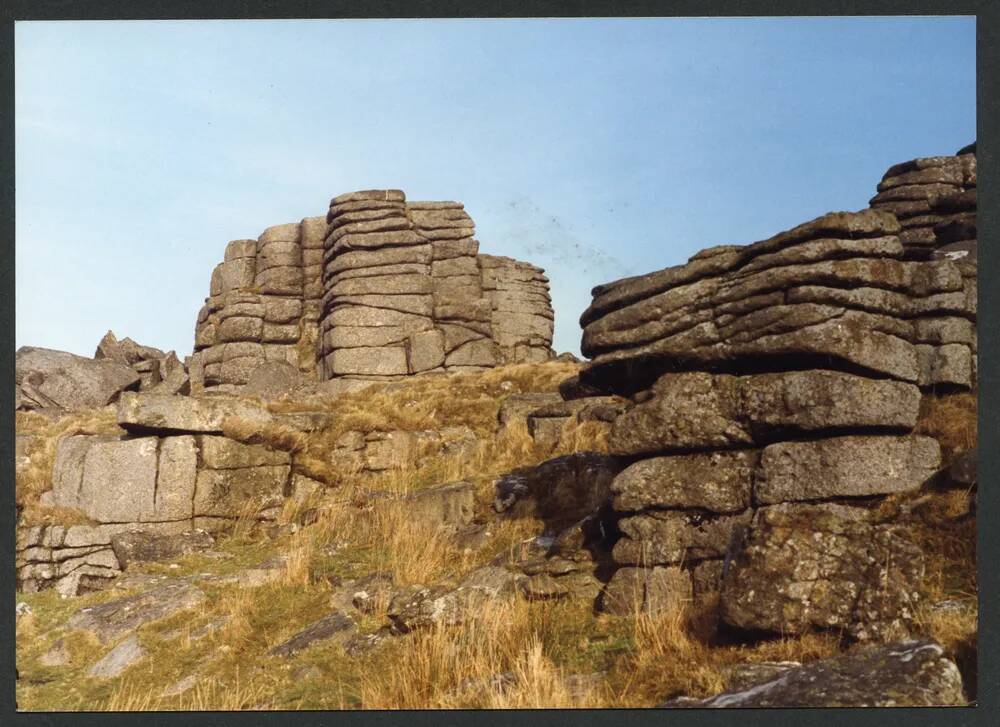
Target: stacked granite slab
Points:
(260, 308)
(173, 471)
(776, 385)
(74, 558)
(833, 292)
(378, 289)
(407, 292)
(377, 305)
(522, 311)
(934, 199)
(462, 314)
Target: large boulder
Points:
(336, 626)
(140, 546)
(48, 378)
(719, 482)
(813, 567)
(699, 410)
(850, 466)
(902, 674)
(111, 619)
(145, 413)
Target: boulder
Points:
(425, 351)
(808, 567)
(120, 658)
(119, 481)
(903, 674)
(69, 381)
(561, 490)
(517, 407)
(336, 626)
(226, 493)
(451, 505)
(676, 536)
(175, 382)
(698, 410)
(849, 466)
(149, 412)
(140, 546)
(719, 482)
(686, 411)
(221, 453)
(114, 618)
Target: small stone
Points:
(120, 658)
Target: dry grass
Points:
(672, 656)
(36, 478)
(510, 653)
(206, 695)
(499, 658)
(951, 419)
(415, 550)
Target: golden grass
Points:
(205, 695)
(645, 658)
(951, 419)
(34, 479)
(671, 656)
(499, 658)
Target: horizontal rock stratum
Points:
(379, 288)
(836, 289)
(773, 391)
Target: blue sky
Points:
(597, 148)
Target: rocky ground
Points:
(760, 489)
(470, 576)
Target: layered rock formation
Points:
(774, 390)
(378, 289)
(934, 199)
(263, 306)
(56, 380)
(159, 372)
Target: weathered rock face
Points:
(168, 484)
(144, 413)
(133, 546)
(378, 289)
(934, 199)
(901, 674)
(74, 559)
(45, 378)
(561, 490)
(834, 291)
(808, 567)
(158, 371)
(781, 378)
(109, 620)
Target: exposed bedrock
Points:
(377, 289)
(773, 390)
(833, 293)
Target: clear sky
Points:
(594, 148)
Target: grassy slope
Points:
(643, 659)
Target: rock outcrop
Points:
(158, 371)
(934, 199)
(75, 559)
(378, 289)
(901, 674)
(774, 389)
(48, 379)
